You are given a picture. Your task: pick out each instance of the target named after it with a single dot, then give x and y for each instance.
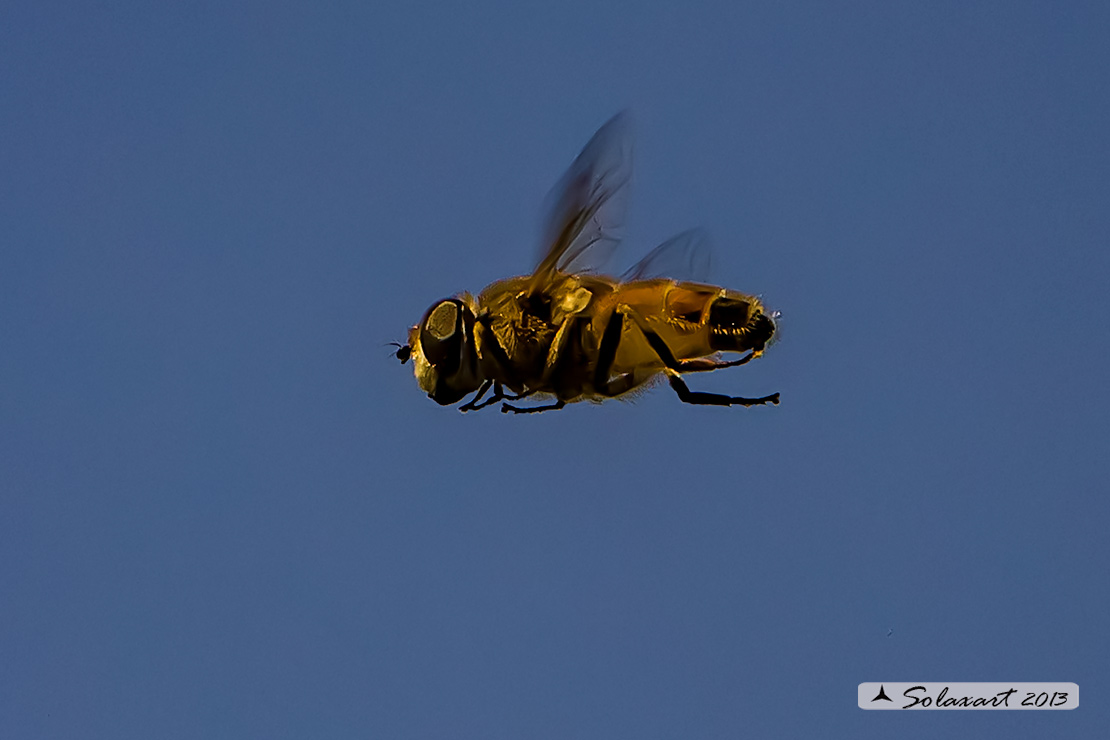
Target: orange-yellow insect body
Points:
(567, 333)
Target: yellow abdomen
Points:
(695, 320)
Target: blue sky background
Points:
(227, 512)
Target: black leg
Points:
(704, 364)
(715, 399)
(676, 366)
(473, 404)
(492, 346)
(606, 354)
(560, 357)
(698, 365)
(506, 408)
(499, 394)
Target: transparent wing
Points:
(685, 256)
(586, 206)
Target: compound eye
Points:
(443, 320)
(440, 335)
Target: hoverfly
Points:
(569, 333)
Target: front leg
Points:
(473, 404)
(499, 394)
(557, 366)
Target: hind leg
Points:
(675, 367)
(713, 399)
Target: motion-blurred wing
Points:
(685, 256)
(587, 205)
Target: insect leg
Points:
(473, 404)
(557, 354)
(559, 357)
(492, 345)
(713, 399)
(704, 364)
(499, 394)
(675, 366)
(506, 408)
(697, 365)
(606, 354)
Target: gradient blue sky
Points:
(228, 513)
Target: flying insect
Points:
(567, 332)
